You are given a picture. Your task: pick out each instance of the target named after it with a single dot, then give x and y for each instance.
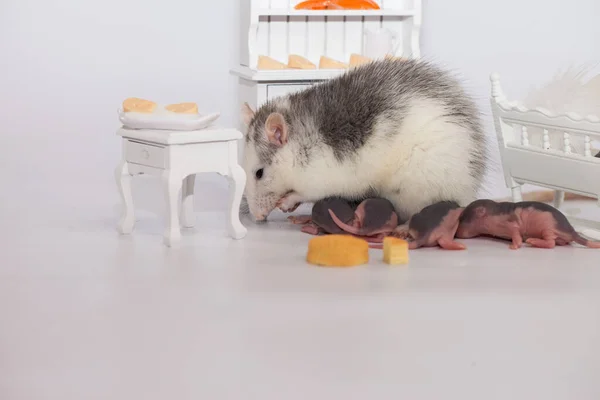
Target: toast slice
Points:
(134, 104)
(183, 108)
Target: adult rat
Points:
(403, 130)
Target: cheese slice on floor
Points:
(183, 108)
(134, 104)
(357, 59)
(299, 62)
(330, 63)
(265, 62)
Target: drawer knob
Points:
(145, 154)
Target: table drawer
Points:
(145, 154)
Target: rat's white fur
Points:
(410, 167)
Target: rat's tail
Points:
(344, 226)
(577, 238)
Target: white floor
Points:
(86, 314)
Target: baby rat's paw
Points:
(300, 220)
(401, 232)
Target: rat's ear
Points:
(247, 114)
(276, 129)
(480, 212)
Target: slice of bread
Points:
(183, 108)
(357, 60)
(298, 62)
(266, 63)
(391, 57)
(330, 63)
(134, 104)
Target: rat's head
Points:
(472, 219)
(267, 157)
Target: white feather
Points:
(576, 90)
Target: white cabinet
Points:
(282, 89)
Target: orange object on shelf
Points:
(337, 5)
(313, 5)
(353, 5)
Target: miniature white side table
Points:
(177, 156)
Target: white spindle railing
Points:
(567, 142)
(524, 136)
(546, 140)
(588, 146)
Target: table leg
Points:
(123, 178)
(187, 201)
(237, 183)
(516, 192)
(172, 184)
(559, 198)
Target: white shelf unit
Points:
(285, 12)
(274, 28)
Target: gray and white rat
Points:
(403, 130)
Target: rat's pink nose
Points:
(260, 217)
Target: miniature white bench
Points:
(177, 156)
(560, 169)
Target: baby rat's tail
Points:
(577, 238)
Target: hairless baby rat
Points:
(537, 224)
(435, 225)
(320, 221)
(373, 217)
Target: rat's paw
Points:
(401, 232)
(311, 229)
(448, 243)
(300, 220)
(290, 202)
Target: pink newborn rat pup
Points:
(374, 218)
(537, 224)
(320, 220)
(435, 225)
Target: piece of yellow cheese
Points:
(183, 108)
(330, 63)
(298, 62)
(395, 251)
(134, 104)
(357, 60)
(265, 62)
(337, 251)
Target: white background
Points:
(67, 65)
